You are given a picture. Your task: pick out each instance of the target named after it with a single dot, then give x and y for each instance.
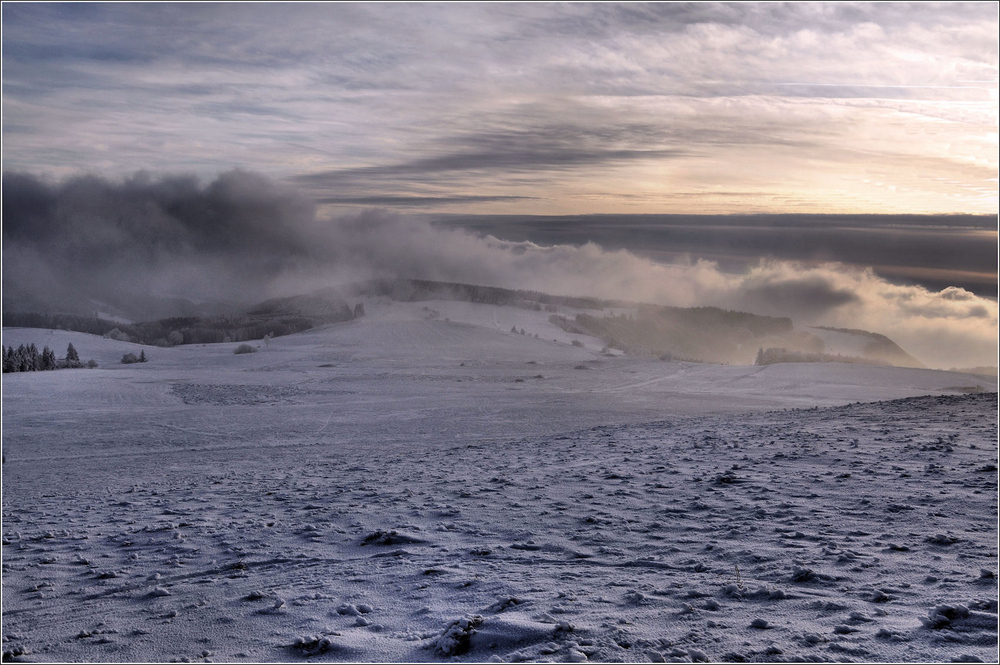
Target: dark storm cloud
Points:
(149, 237)
(236, 212)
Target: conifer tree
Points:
(72, 357)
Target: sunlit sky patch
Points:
(521, 108)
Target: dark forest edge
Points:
(27, 358)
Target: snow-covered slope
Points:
(421, 483)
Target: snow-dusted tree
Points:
(72, 357)
(24, 363)
(48, 359)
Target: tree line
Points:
(772, 356)
(30, 359)
(175, 330)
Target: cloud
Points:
(171, 236)
(513, 159)
(940, 251)
(416, 201)
(808, 297)
(242, 237)
(546, 101)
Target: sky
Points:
(499, 108)
(832, 162)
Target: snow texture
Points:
(386, 490)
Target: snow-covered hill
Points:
(422, 483)
(863, 344)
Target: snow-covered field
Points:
(422, 484)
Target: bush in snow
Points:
(130, 358)
(454, 640)
(244, 348)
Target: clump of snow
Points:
(348, 609)
(504, 604)
(312, 645)
(960, 619)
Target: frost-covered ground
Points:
(421, 484)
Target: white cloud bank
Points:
(950, 328)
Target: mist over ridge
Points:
(243, 237)
(934, 251)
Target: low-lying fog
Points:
(242, 238)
